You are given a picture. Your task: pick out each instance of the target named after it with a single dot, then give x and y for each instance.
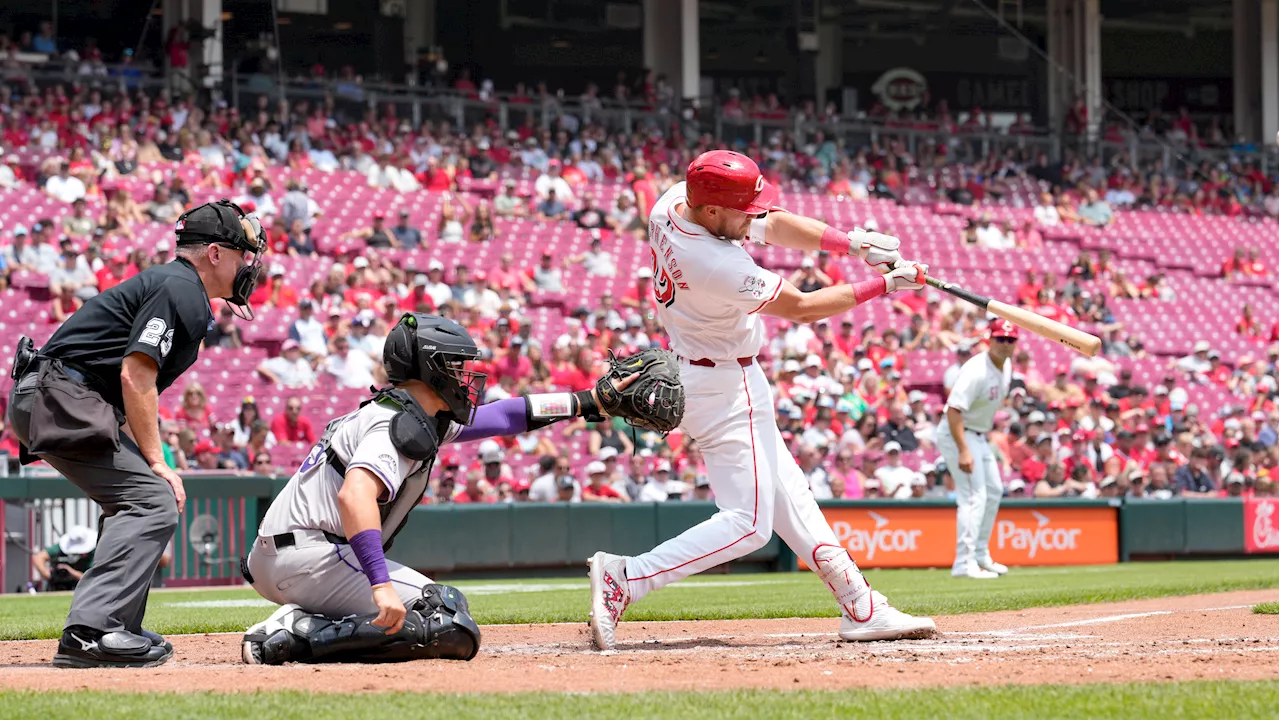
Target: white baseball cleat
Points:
(609, 596)
(973, 572)
(992, 566)
(884, 622)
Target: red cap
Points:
(728, 179)
(452, 460)
(1143, 428)
(1081, 436)
(1060, 370)
(205, 446)
(1074, 401)
(1004, 329)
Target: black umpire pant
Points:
(139, 516)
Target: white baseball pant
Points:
(758, 486)
(977, 495)
(323, 577)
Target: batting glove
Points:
(878, 250)
(907, 275)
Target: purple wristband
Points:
(367, 546)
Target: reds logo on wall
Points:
(1261, 529)
(901, 89)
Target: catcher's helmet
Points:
(728, 179)
(436, 351)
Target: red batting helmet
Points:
(1004, 329)
(728, 179)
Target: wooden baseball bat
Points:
(1078, 340)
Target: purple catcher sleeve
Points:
(505, 417)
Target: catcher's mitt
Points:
(655, 401)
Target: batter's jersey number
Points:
(664, 291)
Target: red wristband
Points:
(834, 241)
(869, 289)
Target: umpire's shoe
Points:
(87, 648)
(156, 639)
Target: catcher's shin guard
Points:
(437, 626)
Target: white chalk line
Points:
(481, 590)
(1106, 619)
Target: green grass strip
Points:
(1157, 701)
(1268, 608)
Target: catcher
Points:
(320, 551)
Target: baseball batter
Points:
(710, 294)
(980, 390)
(320, 551)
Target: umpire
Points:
(104, 367)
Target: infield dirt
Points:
(1201, 637)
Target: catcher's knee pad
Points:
(450, 632)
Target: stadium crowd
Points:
(1084, 430)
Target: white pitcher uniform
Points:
(979, 392)
(300, 556)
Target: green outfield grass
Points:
(1159, 701)
(932, 592)
(1268, 608)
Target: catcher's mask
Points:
(436, 351)
(224, 223)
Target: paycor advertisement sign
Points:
(904, 536)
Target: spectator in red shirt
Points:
(567, 375)
(292, 425)
(1254, 265)
(910, 303)
(1029, 290)
(1034, 467)
(274, 292)
(195, 410)
(505, 277)
(1218, 373)
(1248, 325)
(476, 491)
(641, 290)
(830, 267)
(595, 490)
(645, 190)
(1235, 265)
(511, 364)
(418, 299)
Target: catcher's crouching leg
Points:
(437, 626)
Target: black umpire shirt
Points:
(162, 312)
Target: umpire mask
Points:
(224, 223)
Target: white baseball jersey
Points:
(362, 439)
(708, 290)
(979, 392)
